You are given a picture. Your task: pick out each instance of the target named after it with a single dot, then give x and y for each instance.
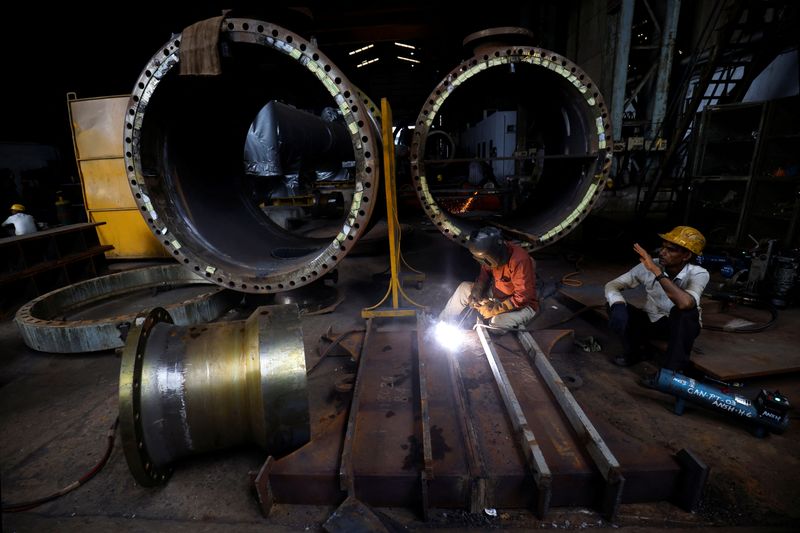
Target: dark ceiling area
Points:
(101, 51)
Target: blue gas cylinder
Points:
(727, 271)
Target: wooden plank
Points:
(52, 232)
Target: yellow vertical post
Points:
(391, 201)
(395, 286)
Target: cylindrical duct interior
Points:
(185, 143)
(190, 389)
(532, 146)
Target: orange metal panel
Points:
(128, 232)
(106, 184)
(97, 125)
(97, 134)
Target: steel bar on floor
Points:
(595, 445)
(526, 438)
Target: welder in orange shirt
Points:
(505, 290)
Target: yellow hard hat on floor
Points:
(686, 236)
(18, 207)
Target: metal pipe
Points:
(540, 133)
(185, 390)
(185, 142)
(769, 411)
(664, 67)
(284, 139)
(621, 66)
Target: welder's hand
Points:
(476, 293)
(618, 317)
(492, 308)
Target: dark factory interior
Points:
(400, 266)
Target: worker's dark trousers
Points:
(680, 330)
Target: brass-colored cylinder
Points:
(190, 389)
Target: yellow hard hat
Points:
(18, 207)
(686, 236)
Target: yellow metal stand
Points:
(395, 256)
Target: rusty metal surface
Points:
(96, 314)
(594, 444)
(526, 439)
(425, 421)
(476, 461)
(190, 389)
(387, 448)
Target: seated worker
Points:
(672, 312)
(511, 301)
(23, 222)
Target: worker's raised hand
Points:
(646, 259)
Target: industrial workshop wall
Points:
(529, 146)
(261, 177)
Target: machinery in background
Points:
(767, 412)
(299, 165)
(760, 275)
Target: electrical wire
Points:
(27, 506)
(568, 280)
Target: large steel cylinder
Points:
(532, 146)
(190, 389)
(185, 139)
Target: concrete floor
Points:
(55, 411)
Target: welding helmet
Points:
(488, 247)
(686, 237)
(18, 207)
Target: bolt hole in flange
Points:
(259, 175)
(515, 137)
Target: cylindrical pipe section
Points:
(185, 140)
(533, 146)
(756, 413)
(190, 389)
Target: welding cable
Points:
(27, 506)
(568, 281)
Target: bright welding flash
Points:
(448, 335)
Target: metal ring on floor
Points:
(44, 326)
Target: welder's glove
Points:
(618, 317)
(493, 308)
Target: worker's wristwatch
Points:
(662, 276)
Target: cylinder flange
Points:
(533, 129)
(190, 389)
(184, 153)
